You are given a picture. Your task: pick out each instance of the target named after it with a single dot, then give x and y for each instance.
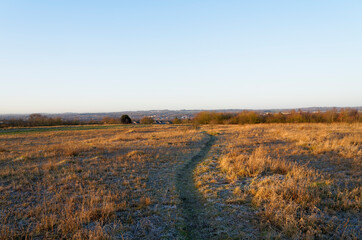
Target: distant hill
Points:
(159, 114)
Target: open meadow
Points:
(87, 184)
(180, 120)
(253, 181)
(284, 181)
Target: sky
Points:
(107, 56)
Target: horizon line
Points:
(211, 109)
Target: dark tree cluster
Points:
(125, 119)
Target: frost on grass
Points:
(300, 180)
(94, 184)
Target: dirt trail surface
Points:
(192, 203)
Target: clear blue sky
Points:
(98, 56)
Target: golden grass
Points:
(94, 184)
(303, 180)
(299, 181)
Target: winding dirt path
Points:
(192, 203)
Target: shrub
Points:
(109, 120)
(176, 121)
(147, 120)
(203, 117)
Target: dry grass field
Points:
(299, 181)
(94, 184)
(266, 181)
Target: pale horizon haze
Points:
(109, 56)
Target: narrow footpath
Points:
(192, 203)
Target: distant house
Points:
(185, 117)
(162, 122)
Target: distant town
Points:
(160, 116)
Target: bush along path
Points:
(196, 225)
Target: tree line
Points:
(253, 117)
(245, 117)
(36, 120)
